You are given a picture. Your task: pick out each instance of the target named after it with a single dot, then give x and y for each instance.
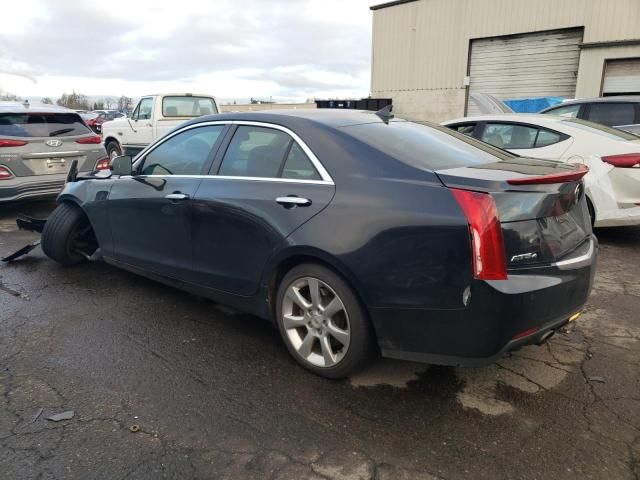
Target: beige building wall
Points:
(421, 48)
(252, 107)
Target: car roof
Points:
(622, 98)
(19, 107)
(537, 118)
(325, 116)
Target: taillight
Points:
(92, 139)
(5, 173)
(487, 244)
(103, 164)
(570, 176)
(626, 160)
(11, 143)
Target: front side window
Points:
(612, 114)
(256, 152)
(570, 111)
(144, 109)
(508, 136)
(184, 154)
(188, 106)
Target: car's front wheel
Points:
(113, 149)
(67, 236)
(322, 322)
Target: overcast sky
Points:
(234, 49)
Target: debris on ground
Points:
(68, 415)
(134, 428)
(37, 415)
(595, 378)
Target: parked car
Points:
(613, 156)
(347, 229)
(154, 116)
(98, 117)
(90, 119)
(619, 112)
(38, 143)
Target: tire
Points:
(113, 149)
(60, 234)
(309, 333)
(592, 212)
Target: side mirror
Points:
(121, 165)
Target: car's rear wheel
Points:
(322, 322)
(67, 236)
(113, 149)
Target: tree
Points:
(46, 101)
(98, 105)
(75, 101)
(124, 103)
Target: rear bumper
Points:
(535, 300)
(32, 187)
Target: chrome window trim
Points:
(250, 179)
(326, 178)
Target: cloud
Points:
(290, 49)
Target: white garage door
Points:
(528, 65)
(622, 77)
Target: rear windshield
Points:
(188, 106)
(34, 124)
(599, 129)
(426, 146)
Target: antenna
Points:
(385, 113)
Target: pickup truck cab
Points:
(153, 116)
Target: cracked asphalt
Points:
(215, 394)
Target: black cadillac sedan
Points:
(352, 231)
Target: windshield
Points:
(188, 106)
(599, 129)
(427, 146)
(34, 124)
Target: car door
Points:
(526, 140)
(141, 120)
(268, 183)
(150, 211)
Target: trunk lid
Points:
(541, 221)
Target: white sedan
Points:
(613, 156)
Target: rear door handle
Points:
(177, 196)
(293, 201)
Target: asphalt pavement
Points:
(156, 383)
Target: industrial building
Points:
(430, 55)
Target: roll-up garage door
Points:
(528, 65)
(622, 77)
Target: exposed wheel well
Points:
(287, 264)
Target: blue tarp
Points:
(532, 105)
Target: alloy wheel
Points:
(316, 322)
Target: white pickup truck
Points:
(154, 116)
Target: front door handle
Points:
(293, 201)
(177, 196)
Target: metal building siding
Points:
(424, 44)
(622, 76)
(535, 65)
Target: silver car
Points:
(38, 144)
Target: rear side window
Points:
(188, 106)
(426, 146)
(466, 128)
(298, 166)
(599, 129)
(266, 153)
(612, 114)
(508, 136)
(570, 111)
(35, 124)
